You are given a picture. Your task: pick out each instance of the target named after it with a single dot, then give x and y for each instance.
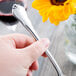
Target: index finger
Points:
(20, 40)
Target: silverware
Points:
(20, 13)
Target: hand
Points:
(19, 54)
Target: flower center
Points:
(58, 2)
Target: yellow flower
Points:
(55, 10)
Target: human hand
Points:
(19, 54)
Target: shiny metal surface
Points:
(20, 13)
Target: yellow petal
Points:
(55, 13)
(44, 18)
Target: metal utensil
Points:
(20, 13)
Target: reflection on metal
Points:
(20, 13)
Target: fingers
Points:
(29, 73)
(20, 40)
(35, 50)
(44, 55)
(34, 66)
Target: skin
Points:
(19, 54)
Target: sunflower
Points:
(55, 10)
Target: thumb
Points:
(36, 49)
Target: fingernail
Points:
(46, 42)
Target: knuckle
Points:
(37, 49)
